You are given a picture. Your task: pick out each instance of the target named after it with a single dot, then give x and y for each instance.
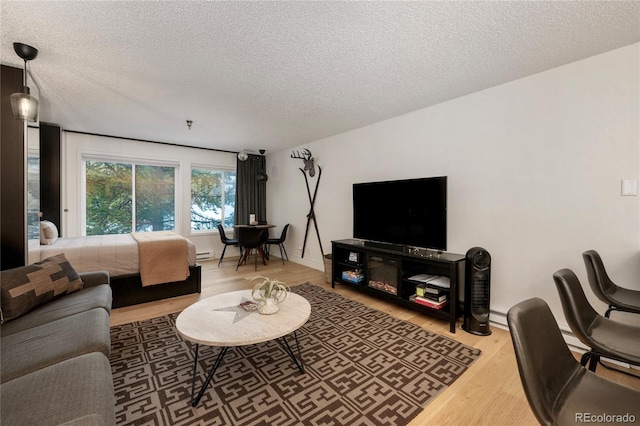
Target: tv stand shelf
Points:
(383, 270)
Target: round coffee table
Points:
(221, 321)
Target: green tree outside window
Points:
(122, 197)
(155, 203)
(212, 198)
(110, 198)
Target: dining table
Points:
(253, 233)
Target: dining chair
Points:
(605, 337)
(225, 241)
(559, 390)
(250, 239)
(616, 297)
(279, 242)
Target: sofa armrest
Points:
(95, 278)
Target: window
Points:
(155, 198)
(33, 194)
(122, 197)
(213, 198)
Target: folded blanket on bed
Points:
(163, 257)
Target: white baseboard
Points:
(306, 262)
(499, 320)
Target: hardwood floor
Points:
(489, 393)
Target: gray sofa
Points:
(54, 364)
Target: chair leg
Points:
(281, 256)
(585, 358)
(285, 251)
(591, 358)
(243, 257)
(593, 362)
(222, 255)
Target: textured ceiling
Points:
(272, 75)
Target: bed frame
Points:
(127, 290)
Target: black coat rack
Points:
(309, 167)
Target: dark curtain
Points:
(251, 194)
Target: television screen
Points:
(410, 212)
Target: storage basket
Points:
(327, 267)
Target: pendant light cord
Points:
(25, 74)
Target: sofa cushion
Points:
(78, 388)
(24, 288)
(56, 341)
(71, 304)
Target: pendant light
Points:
(262, 175)
(23, 105)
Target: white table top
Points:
(219, 321)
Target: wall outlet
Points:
(629, 187)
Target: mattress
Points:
(117, 254)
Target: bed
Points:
(122, 255)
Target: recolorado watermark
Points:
(604, 418)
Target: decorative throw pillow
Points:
(27, 287)
(48, 232)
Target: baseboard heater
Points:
(204, 255)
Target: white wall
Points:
(75, 146)
(534, 167)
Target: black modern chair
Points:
(279, 242)
(250, 239)
(225, 241)
(606, 338)
(559, 390)
(618, 298)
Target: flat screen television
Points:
(410, 212)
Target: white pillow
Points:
(48, 232)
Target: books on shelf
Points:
(435, 297)
(424, 290)
(427, 302)
(432, 280)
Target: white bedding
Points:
(117, 254)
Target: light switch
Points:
(629, 187)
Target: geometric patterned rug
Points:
(362, 367)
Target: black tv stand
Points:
(384, 246)
(385, 271)
(410, 250)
